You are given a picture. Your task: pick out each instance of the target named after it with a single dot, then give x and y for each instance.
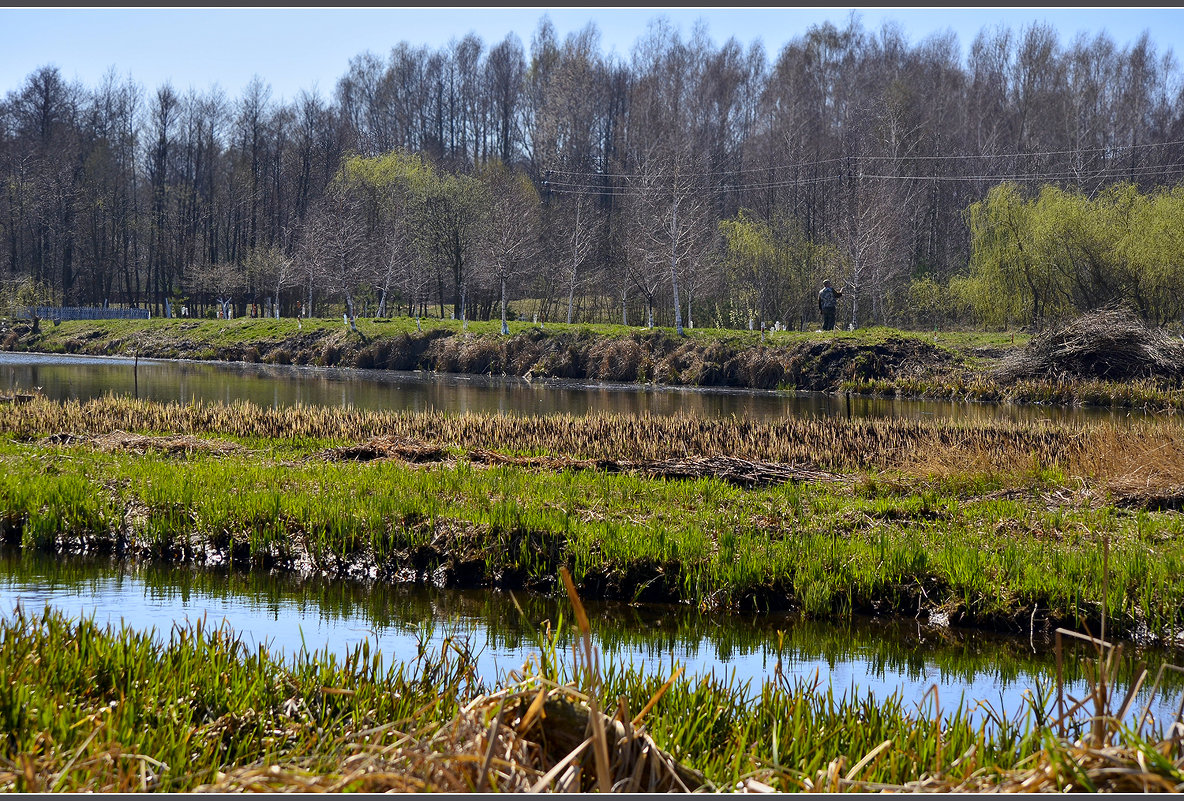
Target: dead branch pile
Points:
(121, 441)
(743, 472)
(383, 447)
(1108, 344)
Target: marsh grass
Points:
(987, 523)
(997, 447)
(880, 544)
(1150, 395)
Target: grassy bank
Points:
(98, 709)
(990, 524)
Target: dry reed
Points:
(1146, 458)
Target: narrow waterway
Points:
(289, 615)
(86, 377)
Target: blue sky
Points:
(309, 48)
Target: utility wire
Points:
(1118, 150)
(1114, 173)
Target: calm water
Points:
(289, 614)
(85, 377)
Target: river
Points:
(64, 377)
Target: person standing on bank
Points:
(828, 299)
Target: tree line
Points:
(684, 183)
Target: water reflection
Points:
(857, 656)
(85, 377)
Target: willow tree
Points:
(1010, 279)
(392, 188)
(772, 268)
(1064, 252)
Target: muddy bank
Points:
(649, 356)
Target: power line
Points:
(1114, 173)
(1118, 150)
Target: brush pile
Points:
(122, 441)
(386, 447)
(741, 472)
(1108, 344)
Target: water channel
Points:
(289, 614)
(64, 377)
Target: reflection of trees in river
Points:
(65, 377)
(896, 647)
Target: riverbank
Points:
(998, 525)
(808, 361)
(91, 709)
(954, 366)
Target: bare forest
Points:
(1010, 180)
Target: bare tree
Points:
(272, 268)
(673, 225)
(335, 247)
(580, 214)
(509, 237)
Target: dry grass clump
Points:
(1112, 344)
(534, 736)
(616, 359)
(1142, 464)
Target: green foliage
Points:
(772, 268)
(928, 303)
(16, 297)
(1063, 253)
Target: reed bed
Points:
(824, 444)
(1150, 395)
(90, 709)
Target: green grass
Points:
(90, 708)
(85, 707)
(180, 710)
(243, 332)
